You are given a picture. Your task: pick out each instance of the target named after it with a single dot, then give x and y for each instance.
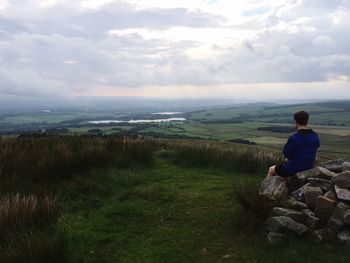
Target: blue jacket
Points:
(300, 151)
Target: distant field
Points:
(330, 119)
(321, 113)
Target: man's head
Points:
(301, 118)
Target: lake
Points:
(139, 121)
(168, 113)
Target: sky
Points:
(255, 49)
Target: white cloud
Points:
(323, 41)
(74, 47)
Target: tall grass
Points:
(28, 220)
(224, 156)
(27, 232)
(20, 211)
(36, 247)
(59, 156)
(30, 166)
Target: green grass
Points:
(166, 213)
(53, 117)
(148, 201)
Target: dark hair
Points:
(301, 117)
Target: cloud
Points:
(68, 47)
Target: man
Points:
(300, 149)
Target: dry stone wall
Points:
(315, 202)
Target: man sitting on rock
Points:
(300, 149)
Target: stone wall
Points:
(312, 203)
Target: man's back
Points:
(300, 150)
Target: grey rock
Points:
(347, 217)
(336, 221)
(344, 236)
(342, 193)
(274, 238)
(304, 175)
(292, 203)
(324, 184)
(283, 223)
(311, 195)
(325, 173)
(319, 235)
(299, 194)
(297, 216)
(311, 220)
(324, 207)
(330, 195)
(346, 166)
(342, 180)
(317, 172)
(333, 165)
(274, 188)
(294, 183)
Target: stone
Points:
(311, 195)
(331, 195)
(342, 193)
(325, 173)
(324, 208)
(342, 180)
(274, 237)
(297, 216)
(336, 221)
(299, 194)
(344, 236)
(333, 165)
(346, 166)
(292, 203)
(324, 184)
(294, 183)
(283, 223)
(274, 188)
(347, 217)
(311, 220)
(317, 172)
(319, 235)
(304, 175)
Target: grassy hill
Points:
(121, 200)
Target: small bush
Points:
(253, 209)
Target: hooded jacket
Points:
(300, 151)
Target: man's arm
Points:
(289, 148)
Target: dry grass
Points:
(52, 157)
(20, 211)
(27, 232)
(230, 157)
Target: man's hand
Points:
(272, 171)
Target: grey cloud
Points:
(69, 20)
(71, 52)
(30, 83)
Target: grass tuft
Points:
(240, 158)
(253, 210)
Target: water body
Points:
(168, 113)
(138, 121)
